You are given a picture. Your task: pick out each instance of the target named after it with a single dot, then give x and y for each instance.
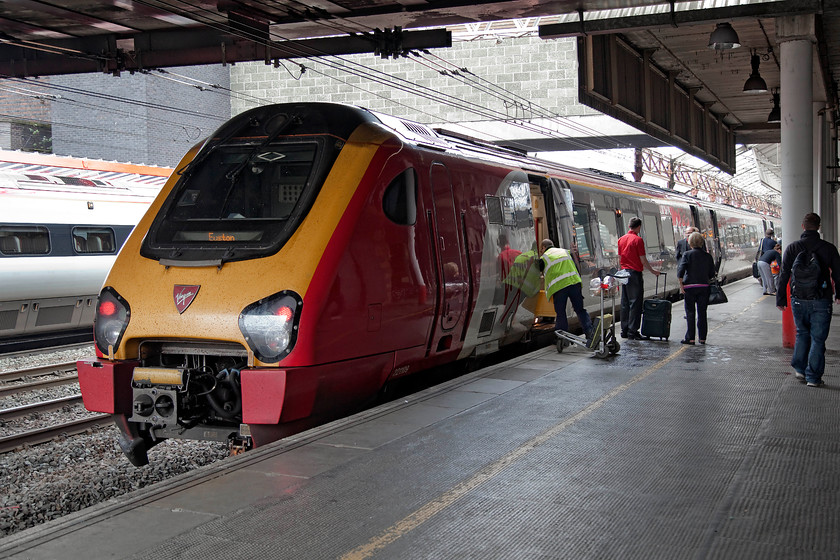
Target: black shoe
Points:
(624, 334)
(637, 336)
(687, 342)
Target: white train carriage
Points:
(60, 231)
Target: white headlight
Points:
(270, 325)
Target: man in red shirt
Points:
(633, 258)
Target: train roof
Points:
(43, 166)
(442, 139)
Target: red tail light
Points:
(112, 316)
(107, 308)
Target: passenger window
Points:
(400, 200)
(668, 234)
(651, 233)
(24, 240)
(608, 231)
(582, 235)
(90, 240)
(521, 196)
(755, 236)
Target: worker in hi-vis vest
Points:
(524, 274)
(562, 281)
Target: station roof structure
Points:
(39, 37)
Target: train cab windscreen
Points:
(240, 201)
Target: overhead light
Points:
(724, 37)
(776, 114)
(755, 83)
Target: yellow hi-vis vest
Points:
(524, 274)
(560, 270)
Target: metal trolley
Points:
(604, 342)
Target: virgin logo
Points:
(184, 296)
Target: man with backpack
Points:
(810, 264)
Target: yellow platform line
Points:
(434, 507)
(428, 511)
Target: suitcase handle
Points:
(664, 283)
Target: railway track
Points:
(52, 375)
(48, 376)
(43, 435)
(50, 369)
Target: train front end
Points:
(198, 326)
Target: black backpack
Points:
(806, 279)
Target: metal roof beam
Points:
(677, 18)
(118, 53)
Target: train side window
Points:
(608, 229)
(651, 224)
(400, 200)
(755, 236)
(24, 240)
(521, 195)
(582, 235)
(668, 233)
(94, 240)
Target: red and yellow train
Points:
(308, 253)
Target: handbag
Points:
(716, 294)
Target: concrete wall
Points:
(543, 72)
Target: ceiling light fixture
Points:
(775, 115)
(724, 37)
(755, 83)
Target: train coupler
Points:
(242, 442)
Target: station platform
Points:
(662, 451)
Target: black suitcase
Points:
(656, 315)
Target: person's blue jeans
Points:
(813, 319)
(574, 294)
(632, 302)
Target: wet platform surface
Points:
(662, 451)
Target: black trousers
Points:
(696, 298)
(632, 301)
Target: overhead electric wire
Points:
(73, 125)
(211, 19)
(533, 127)
(543, 112)
(365, 72)
(390, 81)
(164, 74)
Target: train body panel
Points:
(222, 291)
(308, 253)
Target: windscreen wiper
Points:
(234, 173)
(190, 167)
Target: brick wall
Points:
(152, 133)
(87, 124)
(542, 72)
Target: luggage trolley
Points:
(604, 342)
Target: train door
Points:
(715, 231)
(558, 195)
(452, 292)
(695, 216)
(610, 228)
